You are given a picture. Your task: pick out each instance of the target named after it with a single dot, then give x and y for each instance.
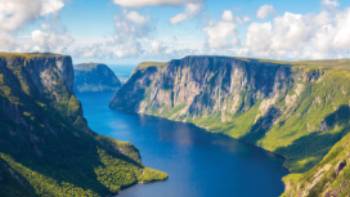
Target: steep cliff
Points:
(296, 109)
(92, 77)
(46, 147)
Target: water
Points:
(199, 164)
(123, 72)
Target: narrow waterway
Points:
(199, 164)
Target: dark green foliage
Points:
(46, 148)
(299, 110)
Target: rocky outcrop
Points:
(204, 85)
(46, 147)
(92, 77)
(296, 109)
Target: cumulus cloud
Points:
(265, 11)
(322, 35)
(7, 42)
(131, 28)
(136, 17)
(330, 3)
(223, 33)
(14, 14)
(191, 9)
(50, 38)
(142, 3)
(51, 6)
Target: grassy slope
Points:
(299, 125)
(46, 154)
(298, 135)
(330, 176)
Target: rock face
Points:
(296, 109)
(92, 77)
(201, 86)
(46, 147)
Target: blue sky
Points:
(130, 31)
(95, 17)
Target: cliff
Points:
(299, 110)
(46, 147)
(92, 77)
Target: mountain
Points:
(299, 110)
(46, 147)
(92, 77)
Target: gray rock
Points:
(92, 77)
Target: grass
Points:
(305, 117)
(149, 175)
(308, 127)
(12, 55)
(323, 178)
(145, 65)
(46, 148)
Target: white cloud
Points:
(265, 11)
(7, 42)
(142, 3)
(50, 36)
(47, 39)
(51, 6)
(136, 17)
(131, 28)
(330, 3)
(223, 33)
(191, 9)
(322, 35)
(14, 14)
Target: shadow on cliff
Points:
(60, 152)
(262, 126)
(313, 147)
(309, 149)
(129, 97)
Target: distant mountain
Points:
(46, 147)
(300, 110)
(93, 77)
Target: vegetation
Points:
(150, 175)
(145, 65)
(12, 55)
(330, 177)
(302, 124)
(46, 148)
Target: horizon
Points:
(114, 64)
(134, 31)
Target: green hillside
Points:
(46, 148)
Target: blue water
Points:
(123, 72)
(199, 164)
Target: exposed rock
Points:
(92, 77)
(204, 85)
(280, 106)
(46, 147)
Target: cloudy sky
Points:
(129, 31)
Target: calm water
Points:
(123, 72)
(199, 164)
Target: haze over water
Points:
(199, 164)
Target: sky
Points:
(131, 31)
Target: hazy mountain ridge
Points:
(46, 147)
(94, 77)
(297, 109)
